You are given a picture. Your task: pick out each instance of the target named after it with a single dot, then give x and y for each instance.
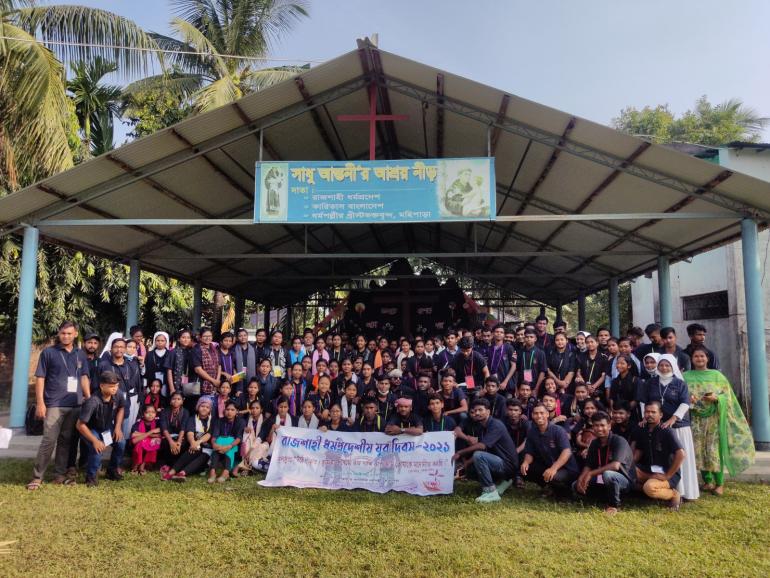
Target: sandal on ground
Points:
(69, 482)
(212, 479)
(34, 484)
(221, 479)
(179, 477)
(718, 490)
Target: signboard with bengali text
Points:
(385, 191)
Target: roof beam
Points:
(366, 66)
(720, 178)
(180, 157)
(439, 115)
(316, 118)
(578, 149)
(230, 180)
(595, 193)
(501, 114)
(384, 98)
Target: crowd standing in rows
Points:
(596, 414)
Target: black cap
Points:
(92, 335)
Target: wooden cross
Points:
(371, 118)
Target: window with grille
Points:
(705, 306)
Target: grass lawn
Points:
(142, 527)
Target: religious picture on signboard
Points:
(463, 188)
(274, 192)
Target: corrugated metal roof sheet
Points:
(161, 176)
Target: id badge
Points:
(277, 371)
(107, 437)
(185, 379)
(207, 451)
(159, 375)
(600, 480)
(72, 385)
(469, 383)
(657, 470)
(528, 375)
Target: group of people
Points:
(594, 414)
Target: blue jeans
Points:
(488, 465)
(614, 485)
(95, 459)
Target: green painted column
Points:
(25, 315)
(755, 321)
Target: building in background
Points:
(709, 288)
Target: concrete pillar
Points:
(664, 292)
(614, 308)
(132, 302)
(755, 321)
(196, 313)
(24, 318)
(581, 311)
(240, 310)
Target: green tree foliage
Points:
(96, 103)
(151, 109)
(207, 34)
(707, 124)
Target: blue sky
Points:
(590, 58)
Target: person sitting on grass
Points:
(405, 421)
(282, 418)
(548, 459)
(198, 432)
(254, 446)
(308, 419)
(370, 421)
(335, 421)
(609, 467)
(146, 440)
(172, 424)
(322, 398)
(493, 455)
(227, 434)
(659, 456)
(436, 420)
(101, 425)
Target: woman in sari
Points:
(722, 436)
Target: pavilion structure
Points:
(580, 207)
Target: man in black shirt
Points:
(494, 455)
(470, 366)
(101, 425)
(658, 456)
(697, 334)
(405, 421)
(609, 469)
(548, 459)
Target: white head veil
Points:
(160, 352)
(674, 365)
(656, 357)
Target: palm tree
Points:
(34, 109)
(209, 32)
(96, 104)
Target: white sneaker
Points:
(488, 497)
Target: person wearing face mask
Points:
(669, 388)
(649, 366)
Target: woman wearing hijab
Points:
(722, 437)
(155, 362)
(649, 367)
(670, 389)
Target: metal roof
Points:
(549, 165)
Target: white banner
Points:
(420, 465)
